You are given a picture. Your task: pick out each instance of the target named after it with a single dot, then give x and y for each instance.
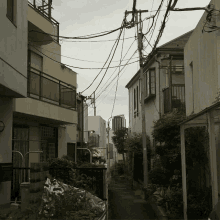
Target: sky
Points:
(85, 17)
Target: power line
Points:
(76, 58)
(118, 72)
(105, 62)
(111, 58)
(86, 41)
(118, 67)
(76, 66)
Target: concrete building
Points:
(43, 114)
(202, 82)
(98, 124)
(13, 82)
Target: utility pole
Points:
(94, 105)
(140, 48)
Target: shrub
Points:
(62, 169)
(199, 203)
(117, 169)
(159, 176)
(149, 190)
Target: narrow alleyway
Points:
(125, 203)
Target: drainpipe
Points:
(159, 85)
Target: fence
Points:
(19, 175)
(178, 98)
(47, 88)
(44, 7)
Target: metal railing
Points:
(175, 100)
(44, 8)
(47, 88)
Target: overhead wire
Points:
(116, 43)
(76, 67)
(118, 72)
(76, 58)
(118, 67)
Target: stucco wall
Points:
(13, 49)
(6, 115)
(42, 109)
(201, 50)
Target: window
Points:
(134, 99)
(11, 10)
(150, 82)
(191, 69)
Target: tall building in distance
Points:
(118, 122)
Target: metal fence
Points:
(50, 89)
(178, 98)
(19, 175)
(44, 7)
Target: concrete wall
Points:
(39, 21)
(34, 107)
(13, 50)
(203, 80)
(6, 115)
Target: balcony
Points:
(49, 89)
(178, 98)
(40, 20)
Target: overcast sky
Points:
(84, 17)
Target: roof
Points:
(177, 43)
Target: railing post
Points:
(34, 3)
(59, 94)
(49, 8)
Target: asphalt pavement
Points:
(125, 203)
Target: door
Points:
(49, 143)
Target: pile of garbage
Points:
(54, 189)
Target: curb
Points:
(157, 209)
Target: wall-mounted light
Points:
(2, 126)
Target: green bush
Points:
(159, 176)
(117, 169)
(199, 203)
(149, 190)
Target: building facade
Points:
(13, 81)
(202, 82)
(164, 86)
(98, 124)
(43, 114)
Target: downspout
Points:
(159, 85)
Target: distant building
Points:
(98, 124)
(118, 122)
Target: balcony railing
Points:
(178, 98)
(47, 88)
(44, 8)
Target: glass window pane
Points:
(36, 61)
(68, 96)
(148, 84)
(34, 81)
(50, 89)
(153, 89)
(10, 4)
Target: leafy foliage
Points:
(160, 176)
(119, 139)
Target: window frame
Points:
(148, 77)
(13, 16)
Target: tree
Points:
(119, 140)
